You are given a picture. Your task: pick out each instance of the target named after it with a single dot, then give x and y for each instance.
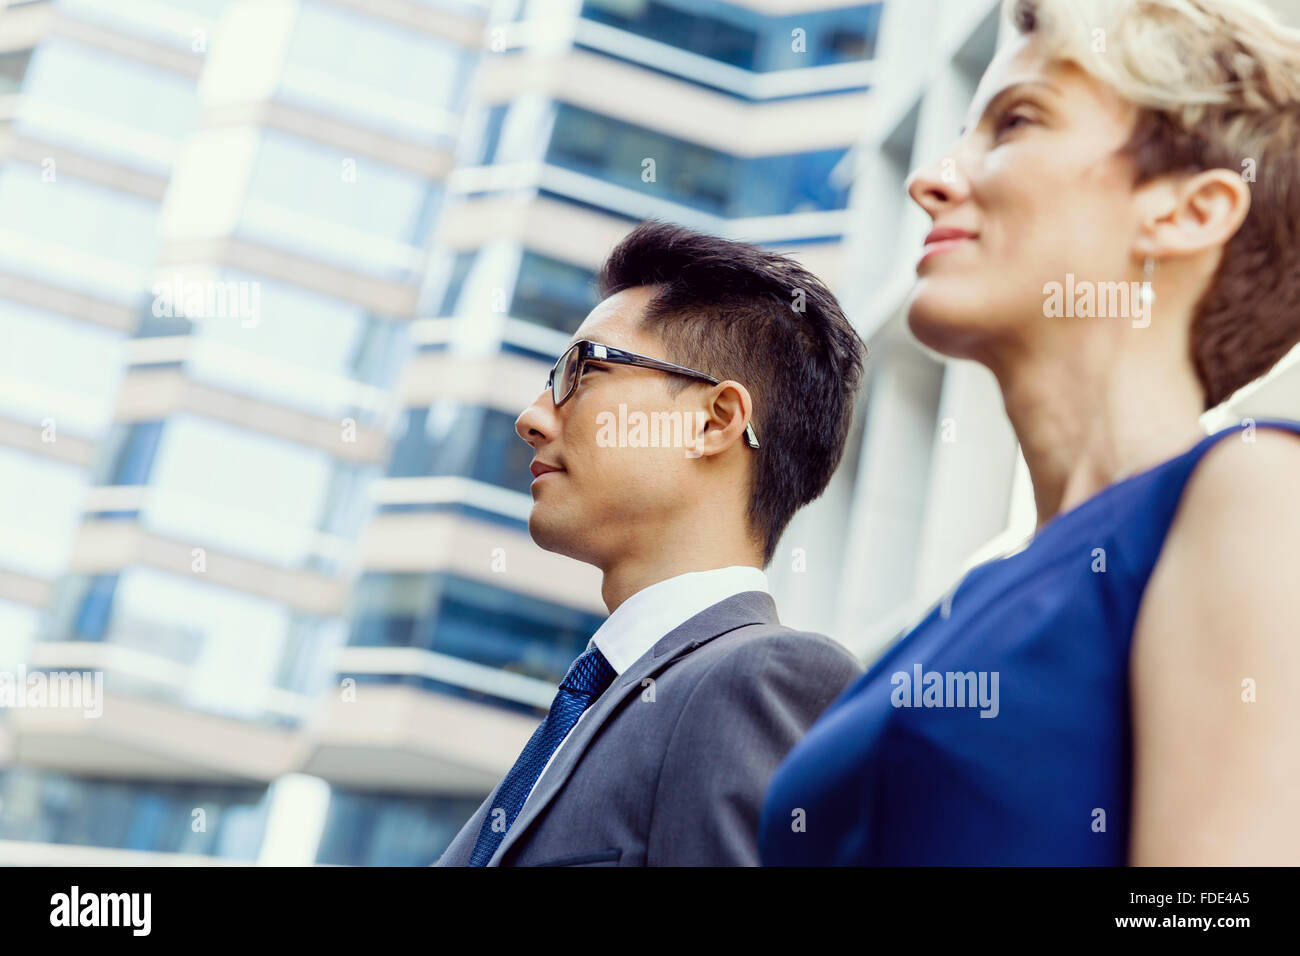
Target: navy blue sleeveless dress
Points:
(997, 731)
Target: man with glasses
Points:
(664, 733)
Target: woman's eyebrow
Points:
(1008, 91)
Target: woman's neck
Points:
(1091, 409)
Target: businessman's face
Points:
(611, 493)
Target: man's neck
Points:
(633, 572)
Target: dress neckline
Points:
(1069, 517)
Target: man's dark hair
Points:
(759, 318)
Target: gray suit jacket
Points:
(670, 764)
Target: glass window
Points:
(693, 175)
(48, 807)
(470, 620)
(128, 453)
(81, 607)
(743, 37)
(830, 37)
(437, 440)
(304, 666)
(351, 210)
(390, 829)
(468, 441)
(232, 642)
(347, 499)
(287, 344)
(174, 23)
(221, 486)
(552, 293)
(103, 103)
(292, 324)
(13, 67)
(799, 182)
(40, 510)
(76, 233)
(381, 352)
(152, 326)
(614, 151)
(369, 71)
(502, 458)
(710, 36)
(494, 120)
(92, 611)
(19, 626)
(455, 282)
(205, 627)
(59, 367)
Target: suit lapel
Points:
(462, 845)
(749, 607)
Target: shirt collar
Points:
(640, 621)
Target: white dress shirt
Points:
(639, 622)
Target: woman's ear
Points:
(1187, 215)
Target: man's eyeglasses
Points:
(567, 372)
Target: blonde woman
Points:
(1126, 689)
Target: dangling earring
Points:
(1148, 292)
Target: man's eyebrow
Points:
(1006, 93)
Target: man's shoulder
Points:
(756, 648)
(748, 697)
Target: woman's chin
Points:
(945, 327)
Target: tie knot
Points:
(589, 674)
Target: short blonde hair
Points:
(1217, 83)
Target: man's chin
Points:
(562, 536)
(547, 533)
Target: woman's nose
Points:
(936, 186)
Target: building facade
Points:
(277, 276)
(318, 254)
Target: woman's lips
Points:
(943, 240)
(935, 248)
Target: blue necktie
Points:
(587, 679)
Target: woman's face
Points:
(1033, 190)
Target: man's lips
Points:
(539, 468)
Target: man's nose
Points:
(536, 423)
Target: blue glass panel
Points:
(50, 807)
(492, 134)
(465, 441)
(713, 37)
(136, 444)
(455, 282)
(471, 620)
(703, 178)
(552, 293)
(95, 608)
(746, 38)
(13, 67)
(390, 829)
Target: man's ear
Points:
(721, 419)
